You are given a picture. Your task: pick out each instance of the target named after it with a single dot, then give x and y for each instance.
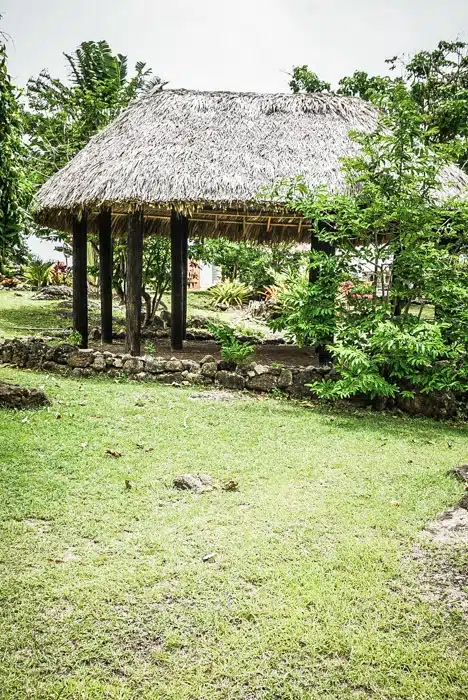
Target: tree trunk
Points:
(148, 307)
(324, 355)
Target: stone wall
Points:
(66, 359)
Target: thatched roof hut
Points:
(209, 154)
(183, 162)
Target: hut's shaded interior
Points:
(186, 164)
(180, 228)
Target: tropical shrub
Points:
(406, 329)
(229, 293)
(306, 312)
(397, 360)
(38, 273)
(237, 353)
(60, 273)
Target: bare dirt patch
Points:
(442, 559)
(287, 355)
(449, 528)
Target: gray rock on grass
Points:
(194, 482)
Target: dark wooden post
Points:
(105, 273)
(185, 237)
(323, 247)
(179, 228)
(134, 281)
(80, 278)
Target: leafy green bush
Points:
(397, 360)
(74, 338)
(38, 273)
(307, 312)
(223, 333)
(236, 352)
(232, 350)
(230, 293)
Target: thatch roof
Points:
(210, 154)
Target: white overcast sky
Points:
(230, 44)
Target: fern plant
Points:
(396, 360)
(237, 353)
(232, 350)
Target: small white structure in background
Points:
(365, 270)
(209, 275)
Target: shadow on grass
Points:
(386, 424)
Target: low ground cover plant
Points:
(232, 349)
(229, 293)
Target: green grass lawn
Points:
(19, 312)
(105, 592)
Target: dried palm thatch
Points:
(209, 154)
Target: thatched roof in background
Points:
(209, 154)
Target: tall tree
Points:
(61, 116)
(436, 80)
(305, 80)
(13, 182)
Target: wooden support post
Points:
(105, 273)
(179, 225)
(185, 270)
(324, 355)
(134, 281)
(80, 278)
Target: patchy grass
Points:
(104, 591)
(19, 312)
